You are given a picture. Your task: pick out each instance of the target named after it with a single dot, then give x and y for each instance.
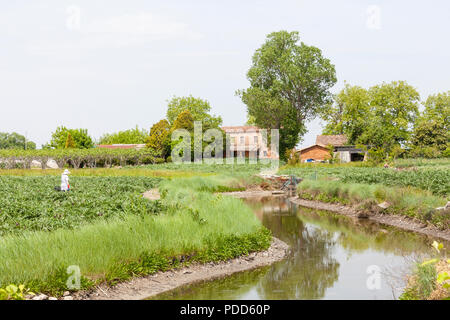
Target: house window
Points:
(255, 139)
(233, 140)
(242, 140)
(265, 153)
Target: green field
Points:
(105, 226)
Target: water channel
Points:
(331, 257)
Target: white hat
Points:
(66, 172)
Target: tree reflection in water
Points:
(312, 265)
(310, 268)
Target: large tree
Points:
(289, 83)
(348, 114)
(437, 107)
(382, 116)
(198, 108)
(15, 141)
(159, 139)
(80, 137)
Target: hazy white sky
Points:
(110, 65)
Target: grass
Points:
(195, 223)
(406, 201)
(435, 180)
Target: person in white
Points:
(65, 181)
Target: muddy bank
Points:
(398, 221)
(141, 288)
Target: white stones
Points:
(40, 297)
(66, 293)
(52, 164)
(68, 298)
(52, 298)
(384, 205)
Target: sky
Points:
(109, 65)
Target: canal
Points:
(330, 257)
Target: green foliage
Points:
(437, 107)
(131, 136)
(348, 114)
(159, 139)
(380, 116)
(436, 180)
(135, 245)
(198, 108)
(13, 292)
(405, 201)
(425, 278)
(15, 141)
(184, 120)
(80, 137)
(77, 158)
(69, 142)
(430, 138)
(289, 82)
(31, 203)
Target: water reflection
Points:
(328, 258)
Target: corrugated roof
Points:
(334, 140)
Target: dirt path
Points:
(141, 288)
(398, 221)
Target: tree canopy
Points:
(131, 136)
(80, 137)
(289, 83)
(15, 141)
(159, 138)
(198, 108)
(381, 116)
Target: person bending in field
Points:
(65, 181)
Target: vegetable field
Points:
(31, 203)
(436, 180)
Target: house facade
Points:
(248, 141)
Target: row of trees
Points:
(15, 141)
(290, 84)
(76, 147)
(388, 117)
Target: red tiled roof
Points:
(119, 146)
(240, 128)
(334, 140)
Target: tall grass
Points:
(408, 201)
(194, 223)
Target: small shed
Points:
(342, 151)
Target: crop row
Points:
(31, 203)
(435, 180)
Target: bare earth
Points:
(141, 288)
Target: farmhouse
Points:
(248, 141)
(321, 150)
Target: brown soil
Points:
(398, 221)
(152, 194)
(142, 288)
